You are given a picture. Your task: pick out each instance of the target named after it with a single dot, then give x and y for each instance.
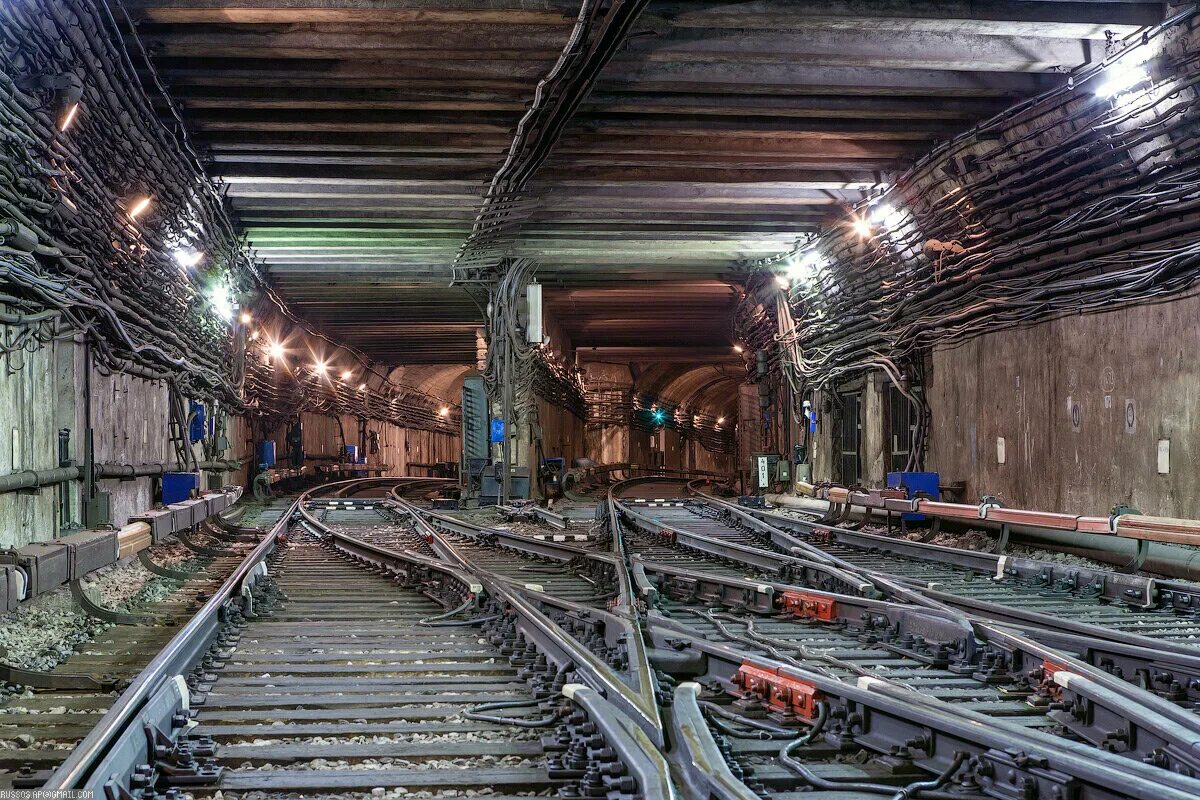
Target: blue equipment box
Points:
(351, 454)
(914, 483)
(266, 453)
(197, 429)
(178, 486)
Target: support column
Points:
(749, 431)
(821, 441)
(874, 431)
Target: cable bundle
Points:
(112, 233)
(1082, 199)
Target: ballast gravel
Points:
(45, 631)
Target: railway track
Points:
(563, 570)
(335, 666)
(1077, 600)
(346, 687)
(57, 709)
(382, 649)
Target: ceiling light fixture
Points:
(69, 117)
(138, 207)
(188, 258)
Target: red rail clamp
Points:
(808, 605)
(781, 693)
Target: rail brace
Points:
(108, 614)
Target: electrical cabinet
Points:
(179, 486)
(88, 551)
(46, 565)
(266, 453)
(924, 484)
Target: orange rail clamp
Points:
(781, 693)
(808, 605)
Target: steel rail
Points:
(176, 657)
(75, 773)
(637, 702)
(1178, 729)
(1141, 661)
(815, 560)
(702, 765)
(1163, 727)
(635, 695)
(875, 715)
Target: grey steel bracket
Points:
(127, 763)
(202, 549)
(108, 614)
(1002, 541)
(636, 751)
(66, 681)
(161, 571)
(701, 765)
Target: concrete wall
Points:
(42, 392)
(399, 448)
(1057, 393)
(30, 415)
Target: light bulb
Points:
(138, 207)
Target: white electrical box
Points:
(533, 305)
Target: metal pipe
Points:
(147, 470)
(1163, 559)
(37, 478)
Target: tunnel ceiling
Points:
(357, 137)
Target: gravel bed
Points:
(44, 632)
(374, 794)
(402, 738)
(467, 762)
